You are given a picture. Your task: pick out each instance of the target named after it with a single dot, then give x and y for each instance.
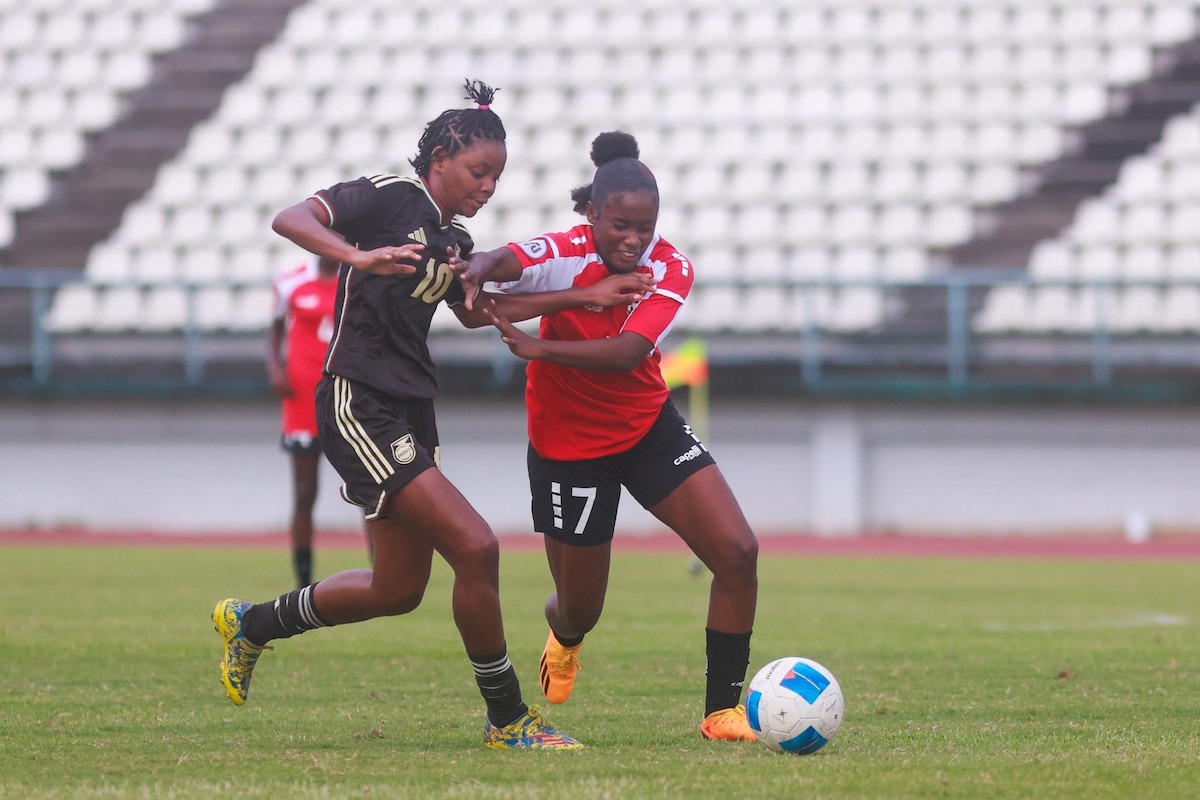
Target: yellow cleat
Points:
(240, 655)
(530, 732)
(558, 669)
(728, 725)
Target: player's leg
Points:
(305, 468)
(432, 505)
(705, 514)
(672, 474)
(580, 575)
(358, 448)
(394, 585)
(575, 508)
(300, 442)
(241, 652)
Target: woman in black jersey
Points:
(400, 243)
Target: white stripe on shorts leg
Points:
(353, 433)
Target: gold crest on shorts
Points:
(403, 449)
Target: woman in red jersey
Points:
(300, 330)
(600, 417)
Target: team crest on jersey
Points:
(534, 248)
(403, 449)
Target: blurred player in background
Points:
(399, 241)
(301, 327)
(601, 417)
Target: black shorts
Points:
(300, 443)
(576, 501)
(376, 442)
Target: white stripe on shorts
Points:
(353, 432)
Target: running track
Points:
(1039, 547)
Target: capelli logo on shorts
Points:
(694, 452)
(403, 449)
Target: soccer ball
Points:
(794, 705)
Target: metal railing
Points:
(927, 341)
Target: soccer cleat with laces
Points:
(240, 655)
(530, 732)
(728, 724)
(558, 669)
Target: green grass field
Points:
(963, 679)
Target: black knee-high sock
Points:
(288, 615)
(302, 561)
(567, 641)
(728, 659)
(497, 681)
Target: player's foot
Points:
(728, 724)
(558, 668)
(240, 655)
(530, 732)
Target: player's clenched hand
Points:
(520, 343)
(618, 290)
(467, 275)
(390, 260)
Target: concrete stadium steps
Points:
(1012, 229)
(120, 163)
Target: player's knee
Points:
(580, 617)
(480, 552)
(400, 602)
(738, 560)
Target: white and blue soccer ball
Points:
(795, 705)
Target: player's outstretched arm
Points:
(614, 290)
(307, 224)
(620, 353)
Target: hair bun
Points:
(612, 145)
(480, 92)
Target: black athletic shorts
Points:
(576, 501)
(376, 442)
(301, 443)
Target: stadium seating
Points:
(1143, 228)
(63, 67)
(792, 139)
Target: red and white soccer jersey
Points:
(577, 414)
(305, 301)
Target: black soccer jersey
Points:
(382, 321)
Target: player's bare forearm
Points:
(613, 290)
(618, 354)
(307, 225)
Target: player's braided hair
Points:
(615, 154)
(459, 128)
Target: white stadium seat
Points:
(841, 128)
